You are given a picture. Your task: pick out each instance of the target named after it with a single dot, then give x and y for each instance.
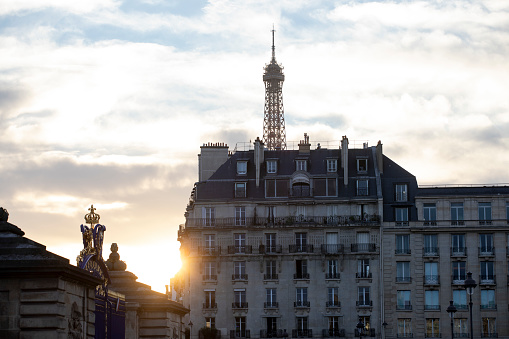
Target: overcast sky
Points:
(106, 102)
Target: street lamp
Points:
(470, 285)
(360, 327)
(191, 330)
(451, 310)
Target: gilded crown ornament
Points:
(92, 218)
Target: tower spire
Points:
(274, 135)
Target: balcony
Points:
(489, 335)
(432, 307)
(240, 334)
(333, 333)
(486, 251)
(461, 307)
(432, 279)
(270, 304)
(458, 251)
(332, 276)
(304, 333)
(363, 247)
(209, 250)
(210, 306)
(333, 304)
(243, 249)
(301, 276)
(485, 222)
(461, 335)
(333, 221)
(404, 307)
(404, 335)
(432, 335)
(364, 303)
(273, 334)
(489, 306)
(403, 279)
(269, 276)
(363, 275)
(275, 249)
(300, 248)
(365, 332)
(209, 277)
(458, 279)
(238, 276)
(332, 249)
(487, 279)
(430, 252)
(301, 304)
(403, 251)
(237, 305)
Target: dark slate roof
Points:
(462, 190)
(393, 170)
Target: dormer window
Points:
(240, 190)
(301, 165)
(362, 165)
(241, 167)
(271, 166)
(332, 165)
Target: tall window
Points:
(240, 327)
(333, 326)
(430, 214)
(431, 273)
(363, 268)
(301, 269)
(208, 216)
(402, 244)
(240, 216)
(271, 271)
(363, 296)
(210, 299)
(276, 188)
(301, 242)
(271, 166)
(302, 326)
(404, 328)
(430, 244)
(209, 270)
(401, 214)
(240, 190)
(240, 298)
(486, 244)
(488, 300)
(333, 297)
(403, 300)
(489, 327)
(362, 187)
(459, 298)
(301, 297)
(457, 213)
(433, 328)
(458, 272)
(401, 192)
(239, 270)
(300, 165)
(484, 213)
(210, 243)
(460, 327)
(271, 300)
(431, 301)
(210, 322)
(240, 242)
(241, 167)
(403, 271)
(332, 269)
(332, 165)
(270, 242)
(458, 244)
(487, 272)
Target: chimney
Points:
(380, 157)
(344, 158)
(304, 145)
(211, 157)
(258, 158)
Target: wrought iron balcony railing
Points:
(363, 247)
(297, 248)
(363, 275)
(486, 251)
(209, 250)
(274, 249)
(270, 276)
(430, 251)
(273, 334)
(458, 251)
(209, 306)
(332, 248)
(243, 249)
(240, 334)
(432, 279)
(404, 279)
(302, 333)
(239, 305)
(209, 277)
(432, 307)
(301, 276)
(333, 333)
(487, 279)
(404, 307)
(270, 304)
(237, 276)
(333, 303)
(301, 304)
(334, 275)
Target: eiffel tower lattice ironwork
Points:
(274, 135)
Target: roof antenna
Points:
(273, 47)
